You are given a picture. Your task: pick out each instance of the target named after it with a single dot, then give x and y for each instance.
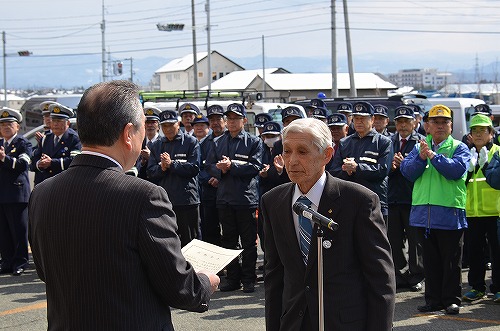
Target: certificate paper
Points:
(205, 256)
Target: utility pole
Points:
(349, 52)
(103, 44)
(4, 71)
(335, 91)
(195, 58)
(131, 70)
(209, 51)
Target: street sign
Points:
(170, 27)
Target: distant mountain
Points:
(82, 71)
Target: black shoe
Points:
(230, 286)
(416, 288)
(249, 287)
(18, 272)
(429, 308)
(452, 309)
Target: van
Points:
(32, 115)
(462, 109)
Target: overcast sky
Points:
(431, 28)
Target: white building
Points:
(178, 74)
(13, 101)
(420, 78)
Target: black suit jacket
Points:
(106, 246)
(359, 284)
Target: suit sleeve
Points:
(274, 273)
(173, 278)
(374, 251)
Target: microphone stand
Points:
(321, 309)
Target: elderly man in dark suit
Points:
(14, 193)
(105, 243)
(359, 285)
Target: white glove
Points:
(483, 156)
(473, 159)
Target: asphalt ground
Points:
(23, 307)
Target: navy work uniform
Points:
(180, 179)
(152, 120)
(60, 146)
(14, 193)
(238, 196)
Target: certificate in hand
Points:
(205, 256)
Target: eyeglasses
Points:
(479, 130)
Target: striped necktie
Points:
(305, 230)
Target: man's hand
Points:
(2, 153)
(213, 181)
(224, 165)
(214, 279)
(483, 156)
(39, 136)
(145, 155)
(263, 172)
(396, 160)
(425, 151)
(279, 163)
(166, 161)
(349, 165)
(44, 161)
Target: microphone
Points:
(302, 210)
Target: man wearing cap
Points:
(409, 267)
(152, 128)
(260, 120)
(365, 157)
(320, 113)
(337, 123)
(346, 109)
(482, 212)
(485, 110)
(381, 120)
(236, 161)
(44, 108)
(188, 111)
(58, 148)
(419, 118)
(438, 167)
(201, 127)
(174, 163)
(210, 226)
(14, 193)
(313, 104)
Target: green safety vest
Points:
(432, 188)
(482, 199)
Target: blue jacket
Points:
(239, 187)
(431, 216)
(399, 187)
(373, 154)
(62, 154)
(181, 179)
(208, 193)
(492, 172)
(14, 183)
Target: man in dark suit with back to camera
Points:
(111, 258)
(359, 285)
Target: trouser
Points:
(409, 267)
(210, 226)
(442, 264)
(14, 235)
(479, 227)
(240, 224)
(188, 218)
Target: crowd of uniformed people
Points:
(431, 187)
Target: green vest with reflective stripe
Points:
(482, 199)
(432, 188)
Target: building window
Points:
(200, 74)
(221, 74)
(177, 76)
(169, 77)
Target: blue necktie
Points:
(305, 230)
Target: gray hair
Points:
(322, 137)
